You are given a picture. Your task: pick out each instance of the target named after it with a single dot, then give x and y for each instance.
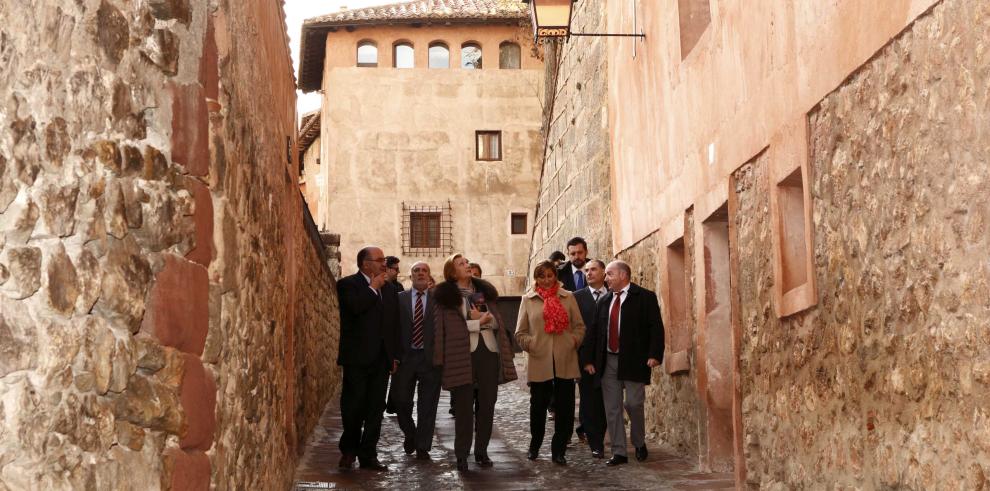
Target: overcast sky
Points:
(296, 11)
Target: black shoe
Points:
(462, 465)
(598, 454)
(484, 461)
(346, 461)
(451, 411)
(422, 455)
(409, 445)
(374, 465)
(532, 454)
(617, 460)
(559, 460)
(641, 453)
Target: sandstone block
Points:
(63, 283)
(187, 471)
(202, 252)
(129, 435)
(126, 278)
(199, 399)
(57, 142)
(19, 220)
(171, 9)
(178, 311)
(161, 48)
(113, 32)
(89, 281)
(190, 128)
(18, 340)
(58, 208)
(24, 264)
(209, 73)
(115, 212)
(150, 405)
(150, 354)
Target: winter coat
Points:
(550, 354)
(452, 342)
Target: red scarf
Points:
(555, 319)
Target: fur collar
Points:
(448, 294)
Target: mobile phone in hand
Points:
(478, 300)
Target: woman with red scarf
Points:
(550, 330)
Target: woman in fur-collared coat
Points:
(472, 346)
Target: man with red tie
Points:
(416, 367)
(626, 344)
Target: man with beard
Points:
(571, 273)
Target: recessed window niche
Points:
(678, 333)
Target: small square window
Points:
(489, 145)
(519, 224)
(424, 230)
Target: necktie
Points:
(595, 293)
(613, 324)
(578, 279)
(417, 332)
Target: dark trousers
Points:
(561, 391)
(362, 402)
(485, 367)
(414, 372)
(592, 411)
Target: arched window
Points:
(509, 56)
(403, 55)
(367, 54)
(471, 56)
(439, 55)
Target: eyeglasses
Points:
(379, 260)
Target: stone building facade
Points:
(166, 320)
(401, 162)
(805, 186)
(575, 192)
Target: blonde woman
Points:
(473, 348)
(550, 330)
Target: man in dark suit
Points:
(369, 314)
(416, 365)
(627, 346)
(592, 410)
(571, 273)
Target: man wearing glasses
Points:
(392, 267)
(369, 315)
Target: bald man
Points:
(626, 345)
(369, 315)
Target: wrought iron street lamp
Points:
(552, 19)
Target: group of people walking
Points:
(582, 321)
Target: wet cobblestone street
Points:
(508, 447)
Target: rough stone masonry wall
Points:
(672, 403)
(148, 261)
(575, 192)
(886, 383)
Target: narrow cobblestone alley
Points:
(663, 470)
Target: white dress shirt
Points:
(368, 279)
(622, 300)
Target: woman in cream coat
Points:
(550, 330)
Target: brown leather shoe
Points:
(346, 461)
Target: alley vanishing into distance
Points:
(804, 186)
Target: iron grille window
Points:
(489, 145)
(426, 229)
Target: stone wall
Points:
(673, 410)
(152, 250)
(885, 383)
(575, 196)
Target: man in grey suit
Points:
(416, 365)
(592, 410)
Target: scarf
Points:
(555, 319)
